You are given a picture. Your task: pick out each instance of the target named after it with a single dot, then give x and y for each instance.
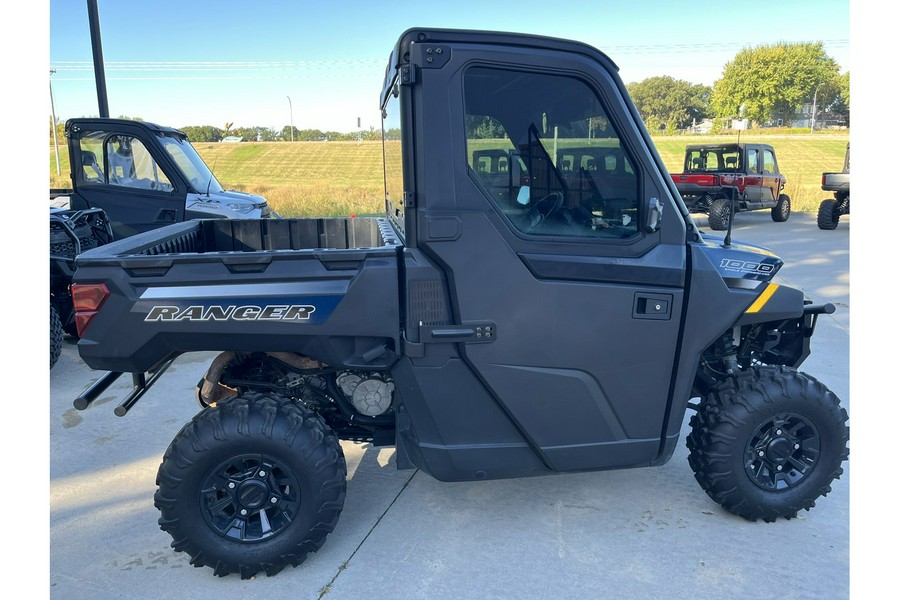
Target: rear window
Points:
(712, 160)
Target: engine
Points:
(358, 405)
(371, 394)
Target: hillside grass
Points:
(306, 179)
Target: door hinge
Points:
(408, 75)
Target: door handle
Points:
(482, 331)
(652, 306)
(165, 215)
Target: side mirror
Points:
(654, 215)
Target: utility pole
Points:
(53, 122)
(97, 48)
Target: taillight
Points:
(87, 299)
(706, 180)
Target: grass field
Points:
(342, 178)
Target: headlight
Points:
(241, 207)
(238, 207)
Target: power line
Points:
(320, 64)
(337, 68)
(241, 65)
(233, 70)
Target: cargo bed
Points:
(175, 290)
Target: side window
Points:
(131, 165)
(768, 162)
(91, 158)
(731, 159)
(752, 160)
(547, 155)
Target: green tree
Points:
(309, 135)
(255, 133)
(834, 98)
(202, 133)
(485, 128)
(844, 88)
(286, 135)
(675, 102)
(267, 134)
(773, 80)
(653, 124)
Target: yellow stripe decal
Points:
(763, 298)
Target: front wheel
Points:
(782, 209)
(768, 443)
(252, 484)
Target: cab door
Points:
(567, 300)
(753, 178)
(771, 179)
(120, 173)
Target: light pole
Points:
(291, 107)
(812, 121)
(53, 122)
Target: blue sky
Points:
(199, 62)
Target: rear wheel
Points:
(720, 214)
(829, 214)
(252, 484)
(782, 209)
(768, 443)
(56, 336)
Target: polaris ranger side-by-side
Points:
(723, 179)
(71, 233)
(127, 177)
(536, 299)
(146, 176)
(831, 209)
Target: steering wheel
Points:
(535, 215)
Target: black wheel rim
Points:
(782, 452)
(250, 498)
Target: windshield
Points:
(190, 163)
(393, 161)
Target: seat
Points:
(121, 164)
(88, 164)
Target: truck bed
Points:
(246, 285)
